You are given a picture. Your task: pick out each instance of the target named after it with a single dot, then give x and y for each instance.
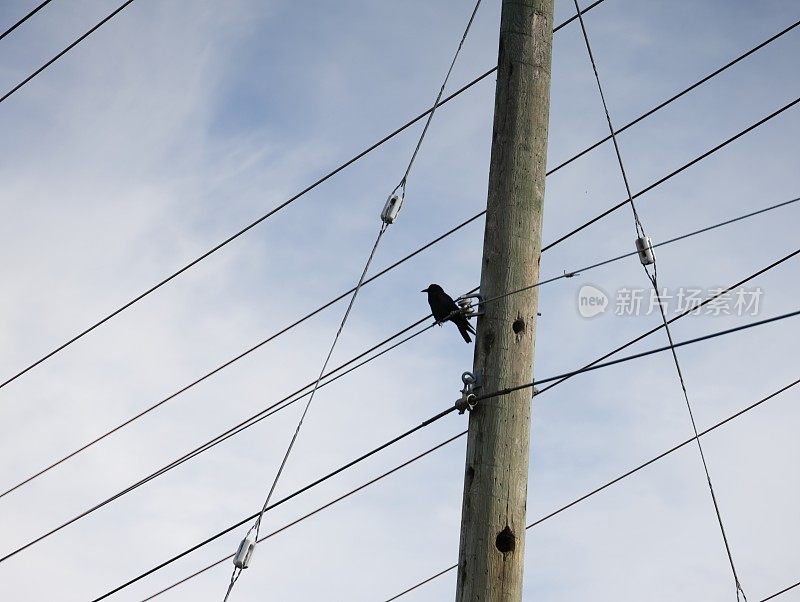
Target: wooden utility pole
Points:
(492, 548)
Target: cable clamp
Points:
(571, 274)
(245, 553)
(472, 381)
(471, 306)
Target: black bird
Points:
(444, 308)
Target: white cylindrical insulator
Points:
(245, 552)
(645, 250)
(392, 208)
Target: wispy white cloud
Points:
(179, 122)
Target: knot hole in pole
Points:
(506, 541)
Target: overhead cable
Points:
(297, 395)
(316, 510)
(66, 50)
(370, 149)
(232, 432)
(556, 512)
(647, 258)
(388, 216)
(675, 172)
(622, 477)
(283, 500)
(251, 225)
(648, 188)
(478, 399)
(25, 18)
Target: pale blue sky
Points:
(180, 121)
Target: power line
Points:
(343, 295)
(273, 408)
(678, 95)
(573, 18)
(253, 348)
(438, 97)
(477, 399)
(265, 414)
(640, 230)
(621, 360)
(559, 377)
(65, 51)
(706, 337)
(317, 510)
(387, 218)
(253, 224)
(297, 395)
(623, 476)
(658, 107)
(639, 227)
(423, 582)
(725, 223)
(672, 345)
(574, 273)
(370, 149)
(664, 454)
(236, 430)
(263, 342)
(109, 17)
(25, 18)
(361, 458)
(677, 171)
(683, 314)
(240, 233)
(233, 360)
(780, 593)
(237, 570)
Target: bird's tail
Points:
(465, 328)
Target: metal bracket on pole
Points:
(469, 308)
(472, 382)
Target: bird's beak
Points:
(424, 290)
